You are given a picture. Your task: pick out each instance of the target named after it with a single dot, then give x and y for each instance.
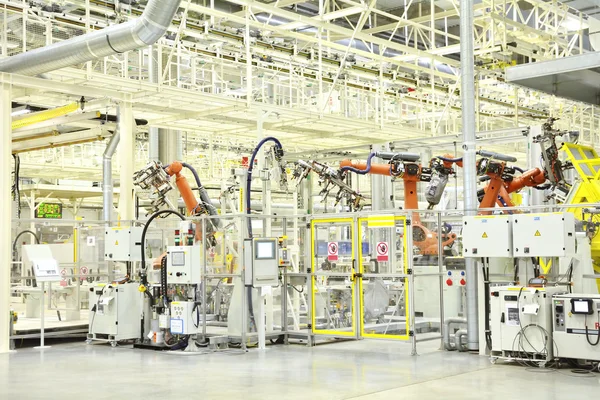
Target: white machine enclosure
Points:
(115, 311)
(516, 315)
(184, 318)
(184, 265)
(487, 236)
(569, 327)
(123, 243)
(261, 262)
(544, 235)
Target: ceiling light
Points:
(20, 111)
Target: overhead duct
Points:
(120, 38)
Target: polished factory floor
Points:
(348, 370)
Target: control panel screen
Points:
(264, 250)
(178, 258)
(581, 306)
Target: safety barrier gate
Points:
(361, 281)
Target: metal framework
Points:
(323, 74)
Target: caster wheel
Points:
(88, 341)
(113, 344)
(493, 360)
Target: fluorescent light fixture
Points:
(22, 110)
(572, 23)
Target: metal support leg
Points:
(5, 210)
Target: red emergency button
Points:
(449, 282)
(463, 282)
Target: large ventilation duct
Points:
(120, 38)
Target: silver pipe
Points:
(447, 329)
(458, 339)
(467, 93)
(107, 181)
(153, 132)
(131, 35)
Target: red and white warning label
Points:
(332, 251)
(383, 251)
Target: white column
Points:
(5, 212)
(126, 161)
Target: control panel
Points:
(559, 315)
(487, 236)
(576, 325)
(544, 235)
(123, 244)
(456, 278)
(184, 318)
(184, 264)
(261, 260)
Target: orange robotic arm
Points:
(184, 187)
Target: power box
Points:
(521, 321)
(576, 320)
(184, 265)
(184, 318)
(544, 235)
(487, 236)
(123, 244)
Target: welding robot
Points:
(405, 166)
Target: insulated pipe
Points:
(45, 115)
(447, 335)
(362, 166)
(107, 183)
(467, 94)
(131, 35)
(458, 339)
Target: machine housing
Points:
(184, 265)
(544, 235)
(115, 312)
(487, 236)
(123, 244)
(184, 318)
(569, 326)
(521, 321)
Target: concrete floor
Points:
(348, 370)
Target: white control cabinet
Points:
(521, 319)
(123, 244)
(487, 236)
(184, 319)
(115, 312)
(544, 235)
(184, 265)
(576, 319)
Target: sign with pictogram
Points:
(332, 251)
(383, 251)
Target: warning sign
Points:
(332, 251)
(383, 251)
(484, 236)
(84, 271)
(537, 233)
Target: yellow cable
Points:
(45, 115)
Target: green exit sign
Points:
(49, 210)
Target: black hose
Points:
(144, 275)
(14, 245)
(163, 280)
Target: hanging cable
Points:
(361, 171)
(250, 170)
(143, 274)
